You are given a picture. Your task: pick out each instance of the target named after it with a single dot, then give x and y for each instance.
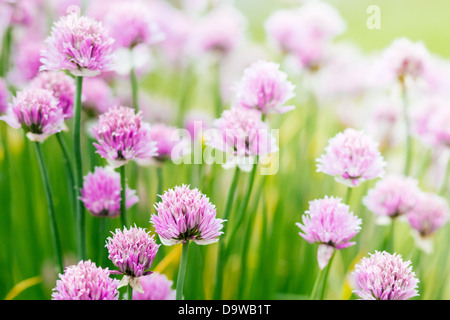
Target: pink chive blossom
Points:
(392, 196)
(97, 96)
(168, 141)
(219, 31)
(37, 112)
(27, 63)
(264, 87)
(130, 24)
(329, 223)
(243, 136)
(352, 157)
(385, 276)
(196, 123)
(61, 85)
(156, 286)
(122, 136)
(4, 96)
(101, 193)
(429, 214)
(86, 281)
(185, 214)
(132, 251)
(78, 44)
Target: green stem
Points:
(81, 228)
(348, 195)
(123, 208)
(316, 285)
(130, 292)
(444, 182)
(217, 91)
(160, 177)
(220, 254)
(182, 270)
(69, 169)
(6, 52)
(134, 89)
(51, 208)
(408, 136)
(325, 277)
(390, 235)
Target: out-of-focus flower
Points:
(61, 85)
(392, 196)
(352, 157)
(169, 142)
(156, 286)
(185, 214)
(306, 32)
(130, 24)
(101, 193)
(329, 223)
(243, 136)
(27, 63)
(219, 31)
(4, 96)
(122, 136)
(78, 44)
(37, 112)
(264, 87)
(97, 96)
(196, 122)
(385, 276)
(429, 213)
(132, 251)
(86, 281)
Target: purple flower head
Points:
(132, 251)
(264, 87)
(4, 96)
(101, 193)
(97, 96)
(429, 213)
(329, 223)
(167, 141)
(78, 44)
(28, 62)
(392, 196)
(385, 276)
(86, 281)
(156, 287)
(61, 85)
(37, 112)
(130, 24)
(196, 123)
(122, 136)
(352, 157)
(186, 214)
(242, 135)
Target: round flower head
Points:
(329, 223)
(101, 193)
(4, 96)
(97, 96)
(184, 214)
(130, 24)
(86, 281)
(61, 85)
(132, 251)
(352, 157)
(429, 213)
(28, 62)
(385, 276)
(156, 287)
(168, 143)
(392, 196)
(264, 87)
(78, 44)
(37, 112)
(122, 136)
(243, 136)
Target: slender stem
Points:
(325, 277)
(348, 195)
(134, 89)
(182, 270)
(444, 182)
(51, 208)
(81, 228)
(217, 90)
(408, 136)
(220, 253)
(316, 285)
(6, 52)
(68, 167)
(390, 237)
(123, 208)
(130, 292)
(102, 232)
(160, 177)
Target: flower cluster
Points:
(156, 286)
